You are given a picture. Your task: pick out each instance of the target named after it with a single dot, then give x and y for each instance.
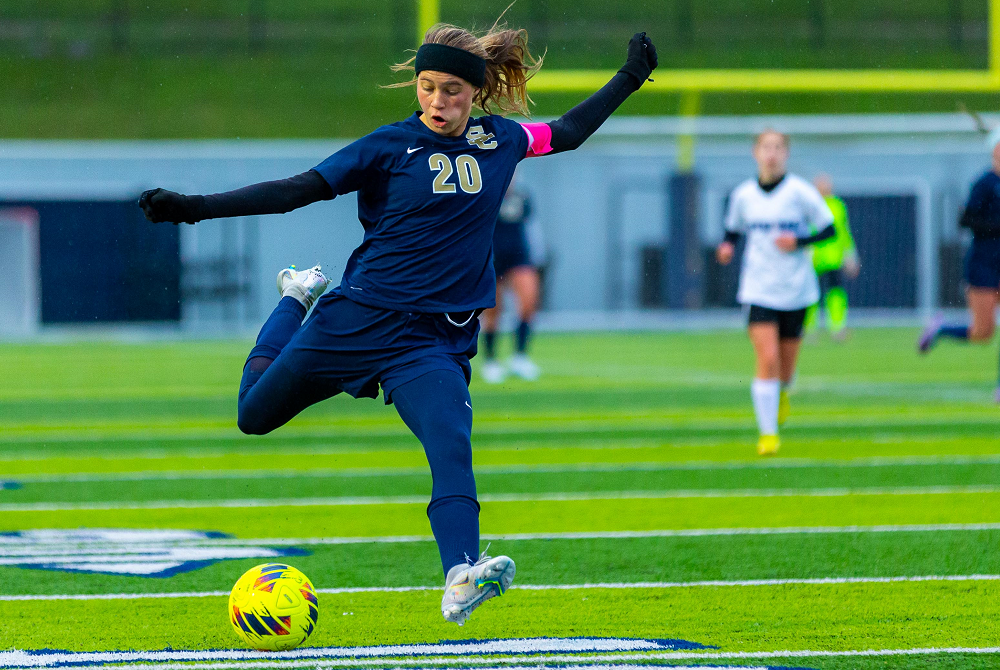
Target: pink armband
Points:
(539, 139)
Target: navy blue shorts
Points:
(982, 263)
(510, 249)
(348, 347)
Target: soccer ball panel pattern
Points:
(273, 607)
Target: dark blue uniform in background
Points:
(982, 215)
(403, 317)
(510, 241)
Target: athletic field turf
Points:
(624, 483)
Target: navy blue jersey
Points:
(982, 212)
(428, 204)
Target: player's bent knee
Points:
(251, 423)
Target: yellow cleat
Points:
(768, 445)
(784, 407)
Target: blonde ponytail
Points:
(509, 64)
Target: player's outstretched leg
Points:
(438, 409)
(937, 329)
(270, 395)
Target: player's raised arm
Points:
(270, 197)
(573, 128)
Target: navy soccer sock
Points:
(276, 332)
(521, 339)
(489, 345)
(437, 408)
(954, 332)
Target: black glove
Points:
(641, 58)
(160, 205)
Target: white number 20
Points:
(470, 178)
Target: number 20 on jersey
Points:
(466, 168)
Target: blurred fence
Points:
(751, 34)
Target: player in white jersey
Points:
(775, 212)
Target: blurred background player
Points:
(776, 213)
(833, 259)
(982, 263)
(515, 269)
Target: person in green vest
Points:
(833, 259)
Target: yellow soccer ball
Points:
(273, 607)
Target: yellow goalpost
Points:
(736, 80)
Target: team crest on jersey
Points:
(480, 138)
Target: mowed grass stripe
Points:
(540, 516)
(617, 586)
(286, 453)
(521, 481)
(559, 496)
(771, 463)
(766, 618)
(570, 561)
(608, 424)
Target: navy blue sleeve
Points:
(356, 165)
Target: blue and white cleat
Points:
(303, 285)
(476, 584)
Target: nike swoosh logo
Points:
(467, 404)
(410, 151)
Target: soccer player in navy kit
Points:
(404, 316)
(514, 269)
(982, 264)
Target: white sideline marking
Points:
(515, 497)
(819, 581)
(361, 656)
(501, 646)
(649, 466)
(421, 664)
(630, 534)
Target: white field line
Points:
(433, 663)
(510, 646)
(515, 497)
(626, 534)
(158, 660)
(819, 581)
(11, 546)
(651, 466)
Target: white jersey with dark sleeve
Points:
(771, 277)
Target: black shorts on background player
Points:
(830, 279)
(510, 238)
(789, 322)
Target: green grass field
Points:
(625, 484)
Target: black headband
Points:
(459, 62)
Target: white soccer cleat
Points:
(493, 372)
(524, 367)
(473, 586)
(305, 285)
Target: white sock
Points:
(765, 394)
